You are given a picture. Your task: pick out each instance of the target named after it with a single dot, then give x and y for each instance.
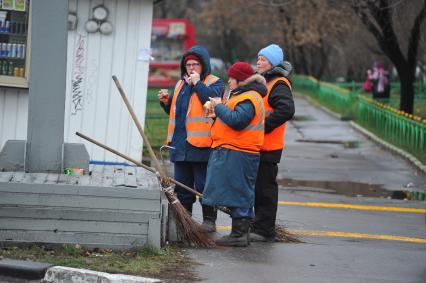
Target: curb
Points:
(22, 271)
(61, 274)
(391, 147)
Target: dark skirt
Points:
(231, 178)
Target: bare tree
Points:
(379, 18)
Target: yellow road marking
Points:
(354, 206)
(345, 235)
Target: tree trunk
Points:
(407, 92)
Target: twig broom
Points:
(190, 230)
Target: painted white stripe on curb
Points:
(61, 274)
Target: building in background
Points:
(169, 40)
(105, 38)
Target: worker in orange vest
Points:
(279, 107)
(237, 135)
(189, 130)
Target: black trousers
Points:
(266, 199)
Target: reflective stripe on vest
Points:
(249, 139)
(275, 139)
(197, 125)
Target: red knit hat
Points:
(192, 57)
(240, 71)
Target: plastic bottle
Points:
(13, 51)
(5, 68)
(11, 65)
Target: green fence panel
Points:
(402, 130)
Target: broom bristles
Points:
(283, 235)
(189, 230)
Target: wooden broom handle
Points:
(140, 164)
(157, 164)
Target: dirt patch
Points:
(170, 264)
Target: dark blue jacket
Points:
(231, 175)
(183, 150)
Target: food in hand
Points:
(209, 110)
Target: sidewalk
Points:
(327, 161)
(369, 163)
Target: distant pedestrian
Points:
(368, 86)
(189, 130)
(237, 137)
(380, 79)
(279, 107)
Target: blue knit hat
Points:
(273, 53)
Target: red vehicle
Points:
(170, 39)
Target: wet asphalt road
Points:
(336, 175)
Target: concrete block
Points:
(60, 274)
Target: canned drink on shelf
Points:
(16, 72)
(21, 72)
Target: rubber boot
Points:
(256, 237)
(209, 218)
(239, 236)
(188, 207)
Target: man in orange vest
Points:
(279, 107)
(189, 128)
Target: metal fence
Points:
(393, 126)
(401, 129)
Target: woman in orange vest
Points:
(237, 135)
(189, 129)
(279, 107)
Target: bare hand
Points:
(195, 77)
(163, 95)
(215, 101)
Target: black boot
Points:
(188, 207)
(209, 218)
(239, 236)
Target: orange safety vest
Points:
(275, 139)
(250, 139)
(197, 125)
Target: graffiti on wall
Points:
(78, 72)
